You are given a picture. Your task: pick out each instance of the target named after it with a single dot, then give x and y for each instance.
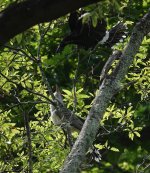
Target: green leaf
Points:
(83, 96)
(137, 134)
(94, 21)
(131, 135)
(79, 91)
(19, 38)
(114, 149)
(106, 144)
(67, 92)
(100, 147)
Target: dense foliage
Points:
(30, 66)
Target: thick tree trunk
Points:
(18, 17)
(108, 89)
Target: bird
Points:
(60, 115)
(86, 36)
(55, 118)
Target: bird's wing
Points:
(75, 23)
(117, 34)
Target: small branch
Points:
(42, 35)
(26, 120)
(27, 89)
(108, 64)
(22, 103)
(45, 80)
(74, 84)
(143, 162)
(16, 50)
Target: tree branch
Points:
(110, 86)
(18, 17)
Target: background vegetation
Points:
(29, 142)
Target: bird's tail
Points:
(117, 34)
(94, 155)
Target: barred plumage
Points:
(86, 36)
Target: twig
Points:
(26, 119)
(39, 64)
(140, 165)
(74, 84)
(27, 89)
(20, 50)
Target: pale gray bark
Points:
(108, 89)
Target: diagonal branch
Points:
(109, 87)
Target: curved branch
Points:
(18, 17)
(108, 89)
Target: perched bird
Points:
(55, 118)
(61, 115)
(86, 36)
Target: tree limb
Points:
(18, 17)
(110, 86)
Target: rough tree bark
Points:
(110, 86)
(18, 17)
